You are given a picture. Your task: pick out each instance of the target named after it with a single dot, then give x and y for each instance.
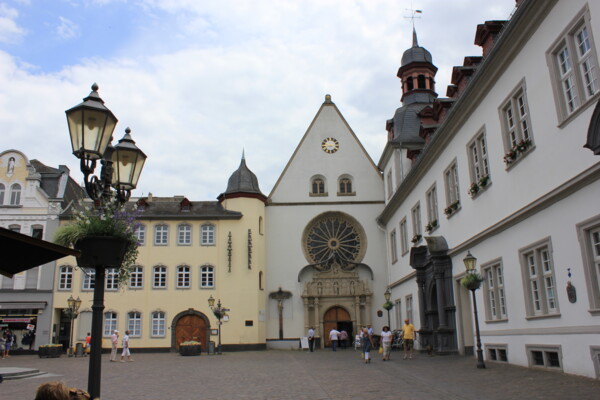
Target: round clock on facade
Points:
(330, 145)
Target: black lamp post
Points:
(219, 312)
(72, 312)
(91, 126)
(388, 305)
(470, 263)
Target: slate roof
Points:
(407, 125)
(50, 183)
(242, 181)
(165, 208)
(416, 53)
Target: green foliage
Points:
(388, 305)
(471, 280)
(190, 343)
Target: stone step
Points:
(11, 373)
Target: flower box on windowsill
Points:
(517, 153)
(481, 185)
(416, 239)
(452, 209)
(431, 226)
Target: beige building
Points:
(189, 251)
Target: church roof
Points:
(416, 53)
(407, 125)
(242, 181)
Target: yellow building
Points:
(189, 251)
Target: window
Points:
(516, 125)
(432, 209)
(158, 324)
(409, 308)
(134, 323)
(494, 294)
(15, 228)
(184, 235)
(136, 277)
(318, 186)
(161, 235)
(110, 323)
(574, 66)
(390, 184)
(207, 232)
(261, 228)
(540, 288)
(345, 186)
(112, 279)
(2, 190)
(260, 281)
(398, 309)
(65, 277)
(393, 246)
(37, 232)
(589, 231)
(497, 352)
(160, 277)
(183, 277)
(478, 161)
(88, 279)
(140, 233)
(544, 356)
(207, 276)
(403, 236)
(31, 278)
(15, 194)
(452, 190)
(416, 223)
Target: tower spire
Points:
(415, 41)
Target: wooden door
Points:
(190, 327)
(331, 320)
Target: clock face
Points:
(330, 145)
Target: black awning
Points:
(21, 252)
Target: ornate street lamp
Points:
(388, 305)
(472, 282)
(91, 126)
(72, 312)
(219, 312)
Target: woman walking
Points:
(126, 351)
(386, 343)
(366, 340)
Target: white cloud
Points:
(67, 29)
(10, 32)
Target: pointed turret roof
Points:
(242, 183)
(416, 53)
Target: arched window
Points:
(345, 185)
(159, 277)
(15, 194)
(111, 279)
(158, 324)
(409, 83)
(110, 323)
(184, 235)
(421, 81)
(207, 235)
(134, 323)
(207, 276)
(161, 235)
(318, 187)
(2, 190)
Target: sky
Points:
(201, 81)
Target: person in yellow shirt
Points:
(408, 336)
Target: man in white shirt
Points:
(334, 336)
(311, 339)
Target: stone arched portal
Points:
(190, 325)
(339, 318)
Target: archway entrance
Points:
(338, 318)
(191, 326)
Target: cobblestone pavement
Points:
(300, 375)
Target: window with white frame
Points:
(112, 279)
(2, 190)
(161, 235)
(398, 309)
(452, 189)
(15, 194)
(390, 184)
(183, 277)
(589, 231)
(404, 247)
(516, 124)
(134, 323)
(409, 308)
(494, 295)
(184, 235)
(207, 276)
(318, 187)
(393, 246)
(207, 235)
(432, 209)
(65, 277)
(574, 66)
(538, 272)
(140, 233)
(479, 163)
(136, 277)
(88, 279)
(158, 324)
(159, 277)
(345, 186)
(544, 356)
(110, 323)
(416, 223)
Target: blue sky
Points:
(198, 81)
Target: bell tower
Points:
(417, 74)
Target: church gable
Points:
(329, 165)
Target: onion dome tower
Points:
(242, 183)
(417, 74)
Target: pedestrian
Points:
(114, 339)
(126, 351)
(366, 340)
(52, 391)
(334, 336)
(343, 339)
(88, 343)
(311, 339)
(9, 337)
(408, 336)
(386, 342)
(370, 328)
(2, 344)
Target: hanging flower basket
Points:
(50, 351)
(102, 251)
(471, 281)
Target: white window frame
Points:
(89, 279)
(393, 246)
(184, 277)
(408, 302)
(404, 246)
(136, 277)
(110, 323)
(494, 291)
(433, 221)
(545, 350)
(65, 277)
(158, 324)
(15, 194)
(111, 279)
(208, 234)
(134, 323)
(541, 295)
(161, 235)
(589, 239)
(415, 213)
(140, 233)
(184, 235)
(452, 187)
(515, 122)
(390, 183)
(2, 191)
(207, 277)
(159, 273)
(478, 157)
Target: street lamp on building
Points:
(72, 312)
(91, 126)
(472, 282)
(219, 312)
(388, 305)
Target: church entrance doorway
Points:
(191, 327)
(338, 318)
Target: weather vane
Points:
(413, 15)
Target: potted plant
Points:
(510, 156)
(523, 145)
(483, 181)
(451, 208)
(50, 350)
(190, 348)
(416, 239)
(105, 236)
(431, 225)
(471, 280)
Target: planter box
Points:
(101, 251)
(50, 352)
(190, 350)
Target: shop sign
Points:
(16, 319)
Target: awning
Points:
(22, 305)
(21, 252)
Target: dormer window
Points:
(185, 205)
(142, 204)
